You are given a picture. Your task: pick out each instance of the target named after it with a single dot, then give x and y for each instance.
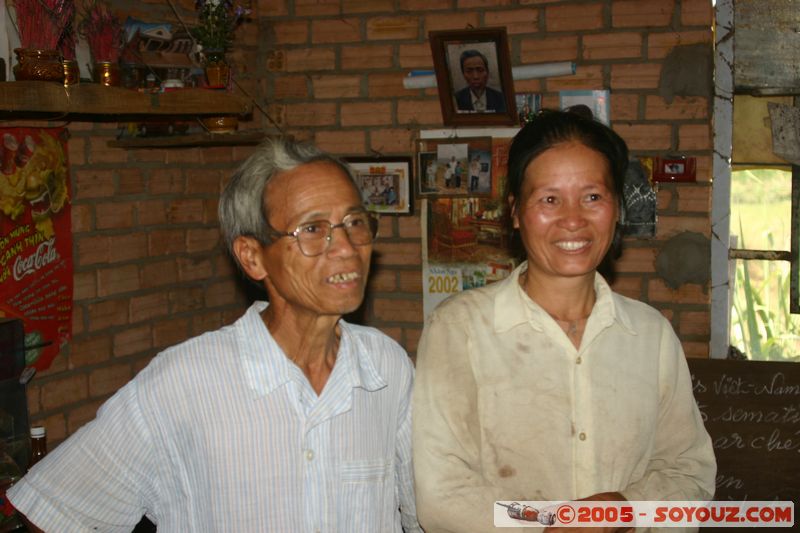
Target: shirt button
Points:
(310, 455)
(578, 360)
(582, 436)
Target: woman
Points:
(547, 385)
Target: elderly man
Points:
(477, 96)
(288, 420)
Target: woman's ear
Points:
(248, 252)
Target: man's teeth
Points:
(571, 245)
(342, 278)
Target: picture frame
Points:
(455, 167)
(468, 62)
(384, 183)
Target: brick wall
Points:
(148, 270)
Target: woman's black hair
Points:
(549, 128)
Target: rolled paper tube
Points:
(522, 72)
(10, 146)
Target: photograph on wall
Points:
(455, 167)
(384, 183)
(466, 239)
(528, 104)
(36, 240)
(597, 101)
(473, 75)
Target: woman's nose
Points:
(572, 216)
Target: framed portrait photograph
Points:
(384, 183)
(473, 75)
(454, 167)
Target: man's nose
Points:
(340, 244)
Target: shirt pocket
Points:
(365, 495)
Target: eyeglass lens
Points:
(315, 237)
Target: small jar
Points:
(107, 73)
(38, 65)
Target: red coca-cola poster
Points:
(36, 238)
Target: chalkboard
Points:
(751, 409)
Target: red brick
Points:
(388, 85)
(89, 350)
(703, 168)
(450, 21)
(515, 21)
(336, 86)
(382, 279)
(668, 226)
(60, 392)
(695, 349)
(366, 57)
(391, 141)
(646, 136)
(76, 151)
(641, 13)
(289, 87)
(694, 198)
(82, 218)
(384, 28)
(168, 241)
(107, 380)
(585, 77)
(398, 253)
(78, 321)
(547, 49)
(108, 313)
(419, 112)
(114, 215)
(316, 8)
(630, 286)
(202, 239)
(211, 211)
(397, 310)
(411, 339)
(151, 212)
(131, 181)
(149, 155)
(659, 45)
(170, 332)
(366, 114)
(625, 106)
(186, 299)
(133, 340)
(290, 31)
(204, 181)
(423, 5)
(159, 274)
(84, 285)
(694, 137)
(690, 293)
(574, 17)
(310, 59)
(410, 227)
(664, 198)
(99, 152)
(341, 142)
(93, 184)
(470, 4)
(92, 250)
(167, 181)
(194, 268)
(221, 293)
(366, 6)
(117, 280)
(185, 211)
(681, 108)
(308, 114)
(410, 281)
(635, 76)
(636, 260)
(695, 323)
(149, 306)
(697, 13)
(77, 418)
(386, 228)
(205, 322)
(416, 56)
(214, 154)
(127, 247)
(336, 31)
(616, 45)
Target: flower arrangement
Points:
(218, 20)
(41, 23)
(103, 31)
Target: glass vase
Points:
(38, 65)
(218, 72)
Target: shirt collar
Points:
(513, 306)
(266, 367)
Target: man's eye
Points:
(312, 228)
(357, 221)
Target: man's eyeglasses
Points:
(315, 237)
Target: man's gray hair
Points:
(243, 206)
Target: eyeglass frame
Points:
(371, 217)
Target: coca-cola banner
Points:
(36, 241)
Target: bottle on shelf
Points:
(38, 444)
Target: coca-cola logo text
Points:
(45, 254)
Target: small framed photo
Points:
(455, 168)
(473, 74)
(384, 182)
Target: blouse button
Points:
(582, 436)
(578, 360)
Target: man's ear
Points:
(248, 253)
(512, 206)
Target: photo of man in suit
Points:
(477, 96)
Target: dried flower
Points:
(41, 23)
(103, 32)
(218, 20)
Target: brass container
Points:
(72, 74)
(38, 65)
(221, 124)
(107, 73)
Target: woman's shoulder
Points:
(638, 313)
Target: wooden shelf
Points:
(192, 139)
(93, 99)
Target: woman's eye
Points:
(549, 199)
(593, 197)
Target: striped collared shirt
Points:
(224, 433)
